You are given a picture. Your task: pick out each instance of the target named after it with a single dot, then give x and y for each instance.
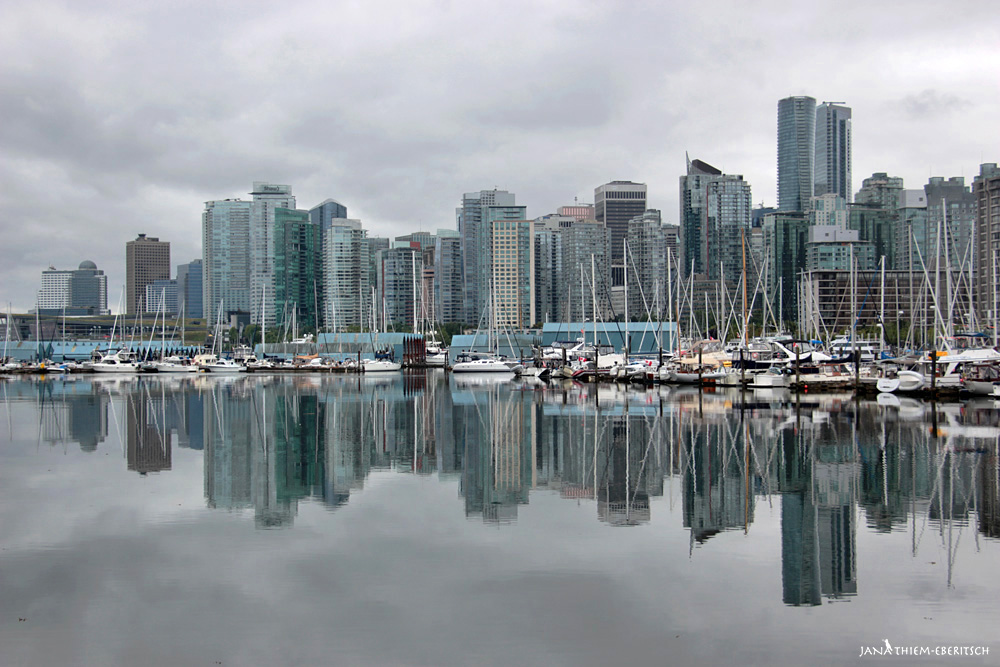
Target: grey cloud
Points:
(930, 103)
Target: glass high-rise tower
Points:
(832, 163)
(796, 152)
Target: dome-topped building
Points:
(88, 265)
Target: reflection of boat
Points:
(481, 379)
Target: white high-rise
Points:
(266, 198)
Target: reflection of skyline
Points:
(271, 443)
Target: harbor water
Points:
(421, 518)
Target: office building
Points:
(146, 259)
(478, 210)
(322, 215)
(796, 152)
(226, 259)
(914, 238)
(586, 275)
(831, 248)
(399, 271)
(163, 296)
(785, 235)
(512, 253)
(266, 198)
(297, 269)
(616, 203)
(189, 289)
(986, 190)
(727, 225)
(346, 287)
(578, 212)
(832, 163)
(548, 242)
(951, 207)
(449, 304)
(81, 291)
(882, 190)
(646, 267)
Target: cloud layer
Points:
(122, 118)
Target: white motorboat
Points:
(484, 365)
(118, 361)
(173, 365)
(213, 364)
(773, 377)
(901, 382)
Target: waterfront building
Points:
(828, 210)
(905, 301)
(785, 235)
(512, 277)
(586, 271)
(297, 268)
(832, 248)
(160, 293)
(346, 286)
(226, 259)
(957, 222)
(693, 192)
(80, 291)
(875, 225)
(478, 210)
(986, 190)
(616, 203)
(419, 240)
(832, 163)
(796, 152)
(399, 271)
(881, 190)
(727, 224)
(647, 266)
(548, 242)
(266, 198)
(189, 288)
(322, 215)
(449, 305)
(146, 259)
(914, 238)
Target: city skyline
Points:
(117, 124)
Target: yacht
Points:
(481, 365)
(380, 365)
(213, 364)
(119, 361)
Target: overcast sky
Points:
(121, 117)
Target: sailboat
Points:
(380, 364)
(212, 363)
(119, 361)
(476, 363)
(165, 364)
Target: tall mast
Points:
(625, 256)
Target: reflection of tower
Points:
(622, 499)
(229, 441)
(716, 496)
(88, 420)
(819, 484)
(835, 474)
(498, 459)
(989, 494)
(147, 443)
(800, 578)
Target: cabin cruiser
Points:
(210, 363)
(468, 363)
(380, 365)
(119, 361)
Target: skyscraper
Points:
(189, 286)
(616, 203)
(715, 211)
(346, 288)
(448, 293)
(225, 233)
(266, 198)
(323, 214)
(478, 210)
(647, 265)
(986, 189)
(297, 268)
(832, 163)
(512, 276)
(796, 152)
(882, 190)
(146, 259)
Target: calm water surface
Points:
(433, 520)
